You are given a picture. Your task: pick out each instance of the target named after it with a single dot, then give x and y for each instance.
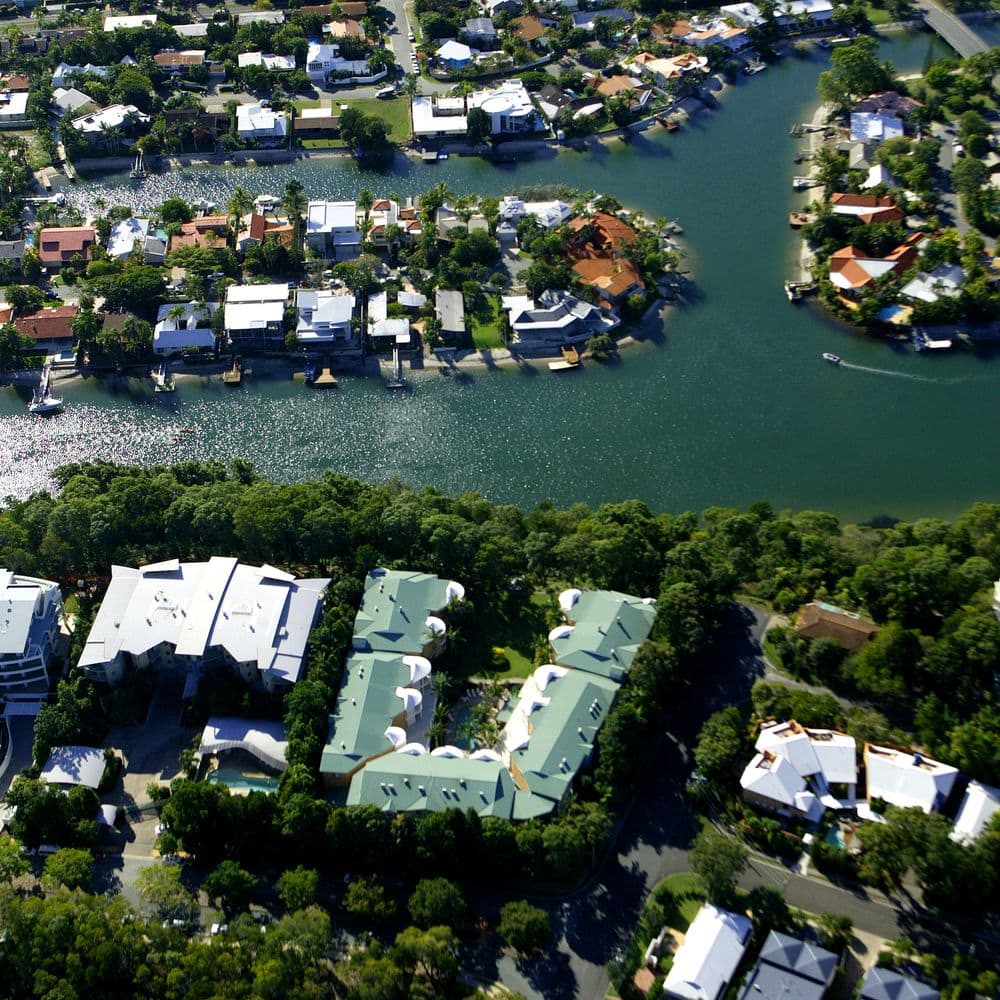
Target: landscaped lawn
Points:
(687, 894)
(394, 112)
(515, 631)
(487, 336)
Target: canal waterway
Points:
(725, 403)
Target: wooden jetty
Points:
(234, 376)
(324, 379)
(571, 361)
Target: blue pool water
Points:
(234, 779)
(835, 836)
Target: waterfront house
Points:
(186, 619)
(904, 778)
(64, 74)
(254, 315)
(185, 326)
(614, 279)
(325, 321)
(787, 15)
(31, 609)
(875, 126)
(548, 214)
(889, 102)
(867, 208)
(325, 65)
(332, 229)
(887, 984)
(508, 107)
(206, 231)
(386, 212)
(256, 228)
(110, 127)
(449, 307)
(129, 22)
(180, 63)
(665, 70)
(67, 100)
(584, 20)
(819, 620)
(480, 32)
(635, 91)
(59, 245)
(317, 123)
(979, 805)
(126, 236)
(556, 319)
(13, 108)
(853, 271)
(454, 56)
(260, 124)
(437, 117)
(50, 330)
(598, 235)
(945, 281)
(790, 969)
(387, 333)
(713, 947)
(554, 101)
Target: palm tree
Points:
(295, 205)
(240, 204)
(365, 202)
(411, 85)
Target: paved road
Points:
(22, 735)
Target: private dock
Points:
(395, 380)
(325, 379)
(234, 376)
(571, 361)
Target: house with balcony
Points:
(49, 330)
(111, 127)
(261, 125)
(555, 319)
(325, 322)
(185, 326)
(438, 117)
(30, 609)
(254, 316)
(509, 108)
(906, 779)
(332, 229)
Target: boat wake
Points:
(891, 374)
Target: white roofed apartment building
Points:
(509, 108)
(905, 779)
(30, 609)
(255, 315)
(189, 618)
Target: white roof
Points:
(65, 69)
(378, 306)
(20, 598)
(257, 293)
(196, 30)
(454, 52)
(980, 804)
(879, 174)
(326, 216)
(70, 99)
(907, 779)
(413, 300)
(328, 309)
(706, 961)
(253, 315)
(397, 329)
(264, 738)
(74, 766)
(876, 268)
(13, 105)
(945, 280)
(260, 121)
(107, 814)
(257, 614)
(812, 751)
(772, 777)
(111, 117)
(872, 126)
(172, 339)
(123, 235)
(129, 21)
(261, 17)
(426, 121)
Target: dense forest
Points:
(930, 674)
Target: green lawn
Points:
(878, 15)
(511, 632)
(487, 334)
(686, 894)
(395, 112)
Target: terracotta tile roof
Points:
(16, 83)
(194, 234)
(846, 262)
(680, 29)
(407, 213)
(282, 232)
(345, 27)
(381, 205)
(179, 58)
(48, 324)
(616, 85)
(353, 9)
(888, 100)
(257, 227)
(58, 246)
(6, 314)
(815, 621)
(598, 235)
(879, 209)
(613, 278)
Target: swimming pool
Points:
(237, 781)
(835, 836)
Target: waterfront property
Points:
(449, 307)
(30, 609)
(259, 124)
(207, 230)
(556, 318)
(255, 315)
(325, 321)
(50, 330)
(189, 618)
(185, 326)
(819, 620)
(905, 779)
(110, 127)
(603, 632)
(332, 229)
(853, 271)
(706, 962)
(790, 969)
(867, 208)
(59, 245)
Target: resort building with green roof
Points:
(604, 631)
(381, 698)
(550, 734)
(398, 612)
(421, 781)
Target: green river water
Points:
(729, 403)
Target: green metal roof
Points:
(394, 610)
(366, 706)
(403, 782)
(608, 628)
(530, 806)
(561, 733)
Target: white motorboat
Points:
(834, 359)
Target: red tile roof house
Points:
(854, 272)
(867, 207)
(50, 329)
(57, 247)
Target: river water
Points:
(729, 402)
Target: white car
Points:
(160, 828)
(411, 37)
